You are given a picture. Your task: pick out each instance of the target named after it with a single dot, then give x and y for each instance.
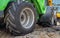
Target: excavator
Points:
(21, 16)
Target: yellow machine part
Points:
(58, 15)
(50, 2)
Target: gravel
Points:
(39, 32)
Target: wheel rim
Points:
(27, 18)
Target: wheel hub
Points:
(27, 18)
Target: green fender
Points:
(40, 6)
(3, 4)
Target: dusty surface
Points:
(39, 32)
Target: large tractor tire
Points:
(20, 18)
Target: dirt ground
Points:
(39, 32)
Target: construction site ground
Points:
(39, 32)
